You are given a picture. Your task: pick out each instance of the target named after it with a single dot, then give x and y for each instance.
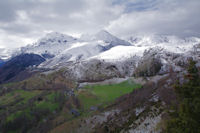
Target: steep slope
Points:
(1, 62)
(142, 110)
(79, 51)
(13, 67)
(109, 38)
(106, 37)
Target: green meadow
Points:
(102, 95)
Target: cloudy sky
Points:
(24, 21)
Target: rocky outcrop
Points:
(142, 110)
(99, 70)
(158, 60)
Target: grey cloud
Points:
(137, 5)
(121, 17)
(20, 28)
(7, 12)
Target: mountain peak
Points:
(104, 32)
(109, 38)
(101, 35)
(57, 36)
(105, 35)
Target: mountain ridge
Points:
(55, 43)
(59, 49)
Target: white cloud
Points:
(178, 18)
(13, 41)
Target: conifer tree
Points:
(186, 118)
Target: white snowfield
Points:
(121, 53)
(102, 46)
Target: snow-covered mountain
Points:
(74, 49)
(59, 49)
(53, 44)
(94, 58)
(170, 43)
(58, 44)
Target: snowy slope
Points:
(122, 60)
(103, 56)
(170, 44)
(108, 38)
(56, 43)
(53, 43)
(118, 53)
(85, 48)
(59, 49)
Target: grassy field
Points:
(47, 102)
(101, 95)
(18, 94)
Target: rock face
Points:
(18, 64)
(158, 60)
(98, 70)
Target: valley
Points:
(39, 107)
(99, 66)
